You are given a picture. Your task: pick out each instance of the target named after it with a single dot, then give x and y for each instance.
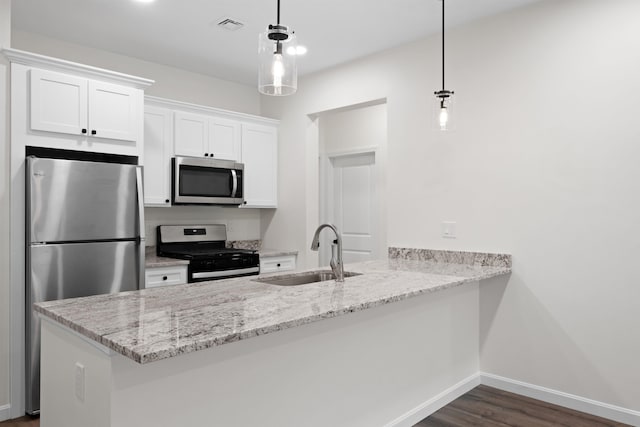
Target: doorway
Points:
(352, 181)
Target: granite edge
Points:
(483, 259)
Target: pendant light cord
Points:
(278, 18)
(442, 42)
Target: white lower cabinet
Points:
(156, 277)
(277, 263)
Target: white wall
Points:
(543, 165)
(5, 41)
(353, 129)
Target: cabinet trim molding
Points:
(203, 109)
(50, 63)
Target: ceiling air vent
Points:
(230, 24)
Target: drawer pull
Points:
(278, 265)
(164, 277)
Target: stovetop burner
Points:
(200, 253)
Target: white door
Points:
(353, 204)
(112, 111)
(191, 135)
(58, 102)
(260, 158)
(158, 150)
(224, 139)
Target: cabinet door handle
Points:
(93, 132)
(84, 131)
(166, 201)
(164, 277)
(206, 154)
(278, 265)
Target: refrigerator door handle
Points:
(141, 228)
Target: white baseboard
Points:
(441, 400)
(5, 412)
(577, 403)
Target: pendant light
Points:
(443, 95)
(277, 73)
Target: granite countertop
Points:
(159, 323)
(151, 260)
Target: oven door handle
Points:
(224, 273)
(234, 180)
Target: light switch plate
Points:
(449, 230)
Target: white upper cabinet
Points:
(199, 135)
(73, 105)
(192, 134)
(158, 150)
(260, 158)
(200, 131)
(65, 105)
(113, 111)
(58, 102)
(224, 139)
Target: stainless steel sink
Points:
(303, 278)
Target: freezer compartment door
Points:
(72, 270)
(71, 200)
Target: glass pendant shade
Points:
(277, 73)
(443, 114)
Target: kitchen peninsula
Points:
(391, 341)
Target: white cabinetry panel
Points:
(278, 263)
(224, 142)
(112, 111)
(191, 134)
(260, 158)
(58, 102)
(158, 150)
(165, 276)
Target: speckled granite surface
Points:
(455, 257)
(151, 260)
(253, 245)
(159, 323)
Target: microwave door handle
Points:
(234, 180)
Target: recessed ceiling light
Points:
(297, 50)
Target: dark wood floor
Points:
(22, 422)
(488, 407)
(483, 406)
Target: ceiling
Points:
(183, 33)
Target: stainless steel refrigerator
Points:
(85, 236)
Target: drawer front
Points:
(275, 264)
(165, 276)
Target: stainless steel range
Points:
(204, 247)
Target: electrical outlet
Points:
(449, 230)
(79, 381)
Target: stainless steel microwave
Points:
(197, 181)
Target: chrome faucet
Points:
(336, 251)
